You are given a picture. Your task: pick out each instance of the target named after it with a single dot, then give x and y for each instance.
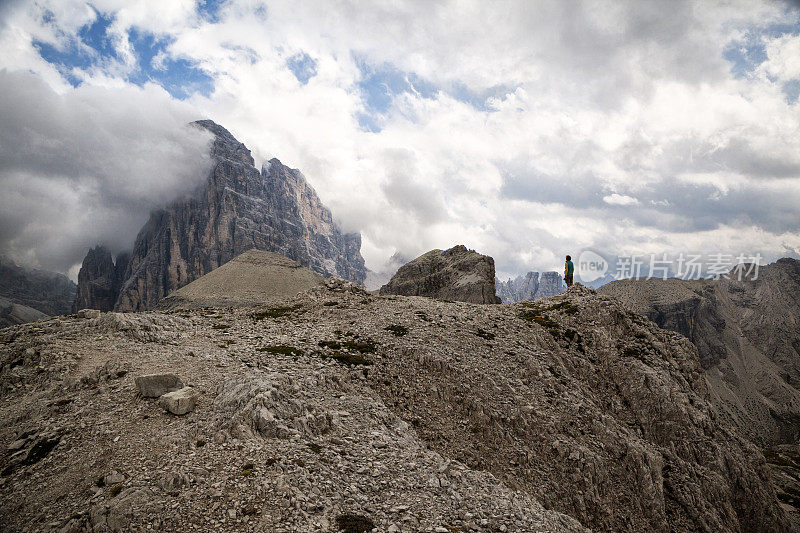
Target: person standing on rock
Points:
(569, 270)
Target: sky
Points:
(522, 129)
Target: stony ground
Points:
(338, 410)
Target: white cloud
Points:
(611, 125)
(87, 166)
(620, 199)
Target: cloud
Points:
(620, 199)
(521, 129)
(87, 166)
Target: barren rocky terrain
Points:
(338, 410)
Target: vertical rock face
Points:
(99, 280)
(456, 274)
(46, 292)
(530, 287)
(239, 208)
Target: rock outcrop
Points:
(26, 289)
(100, 280)
(402, 414)
(530, 287)
(457, 274)
(239, 208)
(747, 333)
(254, 277)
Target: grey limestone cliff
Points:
(99, 280)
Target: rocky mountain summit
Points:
(530, 287)
(457, 274)
(100, 280)
(747, 334)
(338, 410)
(238, 208)
(28, 294)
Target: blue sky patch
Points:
(380, 85)
(93, 46)
(302, 66)
(95, 36)
(746, 54)
(209, 9)
(792, 90)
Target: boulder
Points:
(456, 274)
(89, 313)
(179, 402)
(156, 385)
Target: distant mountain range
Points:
(28, 294)
(530, 286)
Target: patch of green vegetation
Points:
(397, 329)
(349, 359)
(298, 461)
(354, 523)
(116, 489)
(271, 461)
(482, 333)
(274, 312)
(362, 346)
(247, 472)
(333, 345)
(221, 326)
(281, 349)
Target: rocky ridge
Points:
(530, 287)
(45, 292)
(747, 335)
(239, 208)
(337, 409)
(456, 274)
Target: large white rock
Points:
(179, 402)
